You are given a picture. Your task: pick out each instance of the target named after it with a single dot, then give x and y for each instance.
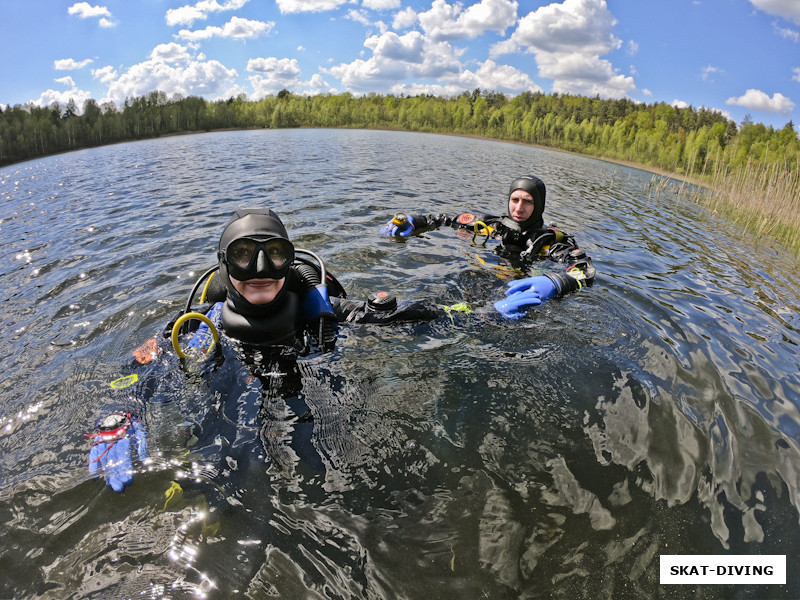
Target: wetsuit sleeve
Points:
(571, 280)
(424, 223)
(404, 312)
(465, 220)
(119, 432)
(578, 272)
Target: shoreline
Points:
(712, 194)
(632, 165)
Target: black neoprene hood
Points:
(535, 187)
(258, 223)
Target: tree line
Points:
(679, 140)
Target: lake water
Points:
(558, 456)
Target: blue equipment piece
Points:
(401, 225)
(111, 453)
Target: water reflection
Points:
(558, 456)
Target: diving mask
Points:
(250, 258)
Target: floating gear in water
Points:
(399, 219)
(382, 301)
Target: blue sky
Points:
(736, 56)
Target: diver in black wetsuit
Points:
(267, 294)
(271, 300)
(522, 236)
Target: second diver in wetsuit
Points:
(523, 237)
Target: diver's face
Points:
(520, 205)
(259, 291)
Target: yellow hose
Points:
(187, 317)
(205, 289)
(482, 228)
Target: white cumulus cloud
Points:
(276, 74)
(237, 28)
(84, 10)
(570, 26)
(187, 15)
(317, 85)
(491, 76)
(757, 100)
(413, 63)
(405, 18)
(209, 79)
(66, 81)
(171, 52)
(568, 40)
(451, 22)
(395, 58)
(284, 68)
(788, 9)
(70, 64)
(50, 97)
(105, 74)
(381, 4)
(359, 16)
(299, 6)
(64, 97)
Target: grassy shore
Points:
(763, 199)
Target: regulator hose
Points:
(187, 317)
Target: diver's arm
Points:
(383, 308)
(575, 278)
(532, 291)
(579, 266)
(405, 225)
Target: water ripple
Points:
(555, 456)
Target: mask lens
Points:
(279, 252)
(240, 253)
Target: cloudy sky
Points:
(736, 56)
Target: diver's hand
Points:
(400, 225)
(541, 285)
(510, 307)
(111, 453)
(524, 293)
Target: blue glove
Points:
(403, 230)
(541, 285)
(531, 291)
(112, 453)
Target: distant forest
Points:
(686, 141)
